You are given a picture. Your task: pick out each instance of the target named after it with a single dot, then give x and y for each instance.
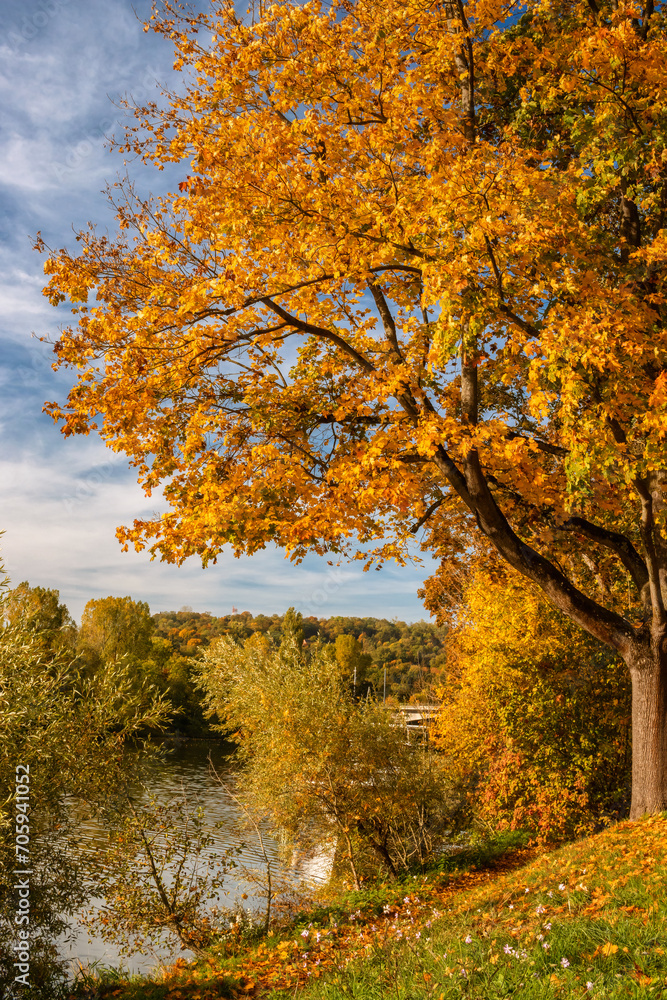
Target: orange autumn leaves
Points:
(536, 716)
(274, 344)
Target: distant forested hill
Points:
(413, 655)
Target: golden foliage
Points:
(535, 719)
(275, 343)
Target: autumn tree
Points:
(412, 279)
(535, 721)
(352, 660)
(40, 610)
(159, 875)
(318, 764)
(113, 627)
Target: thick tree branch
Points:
(318, 331)
(386, 316)
(616, 543)
(605, 625)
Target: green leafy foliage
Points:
(65, 732)
(38, 609)
(319, 764)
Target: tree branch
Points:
(606, 625)
(425, 516)
(318, 331)
(386, 316)
(549, 449)
(616, 543)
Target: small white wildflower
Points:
(546, 945)
(468, 940)
(589, 986)
(304, 934)
(511, 906)
(564, 962)
(547, 926)
(562, 887)
(540, 909)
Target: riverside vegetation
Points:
(320, 763)
(586, 920)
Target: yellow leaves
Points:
(605, 950)
(323, 156)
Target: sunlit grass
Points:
(587, 920)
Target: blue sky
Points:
(63, 65)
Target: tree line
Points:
(400, 661)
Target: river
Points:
(186, 767)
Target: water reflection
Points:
(187, 768)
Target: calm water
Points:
(187, 767)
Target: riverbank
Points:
(588, 919)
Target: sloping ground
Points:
(587, 920)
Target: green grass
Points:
(495, 921)
(588, 920)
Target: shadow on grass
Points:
(98, 982)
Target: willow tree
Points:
(412, 280)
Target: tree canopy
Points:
(113, 627)
(413, 277)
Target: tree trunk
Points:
(648, 669)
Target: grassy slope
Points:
(587, 920)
